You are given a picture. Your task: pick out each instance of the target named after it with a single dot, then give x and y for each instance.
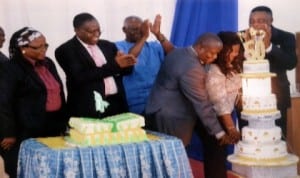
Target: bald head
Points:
(132, 28)
(207, 47)
(208, 39)
(132, 19)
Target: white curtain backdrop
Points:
(54, 17)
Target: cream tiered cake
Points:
(261, 152)
(121, 128)
(262, 138)
(258, 101)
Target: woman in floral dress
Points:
(223, 81)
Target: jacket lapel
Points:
(83, 53)
(28, 68)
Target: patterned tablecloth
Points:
(161, 156)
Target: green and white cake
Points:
(121, 128)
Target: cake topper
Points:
(100, 104)
(253, 43)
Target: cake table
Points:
(160, 156)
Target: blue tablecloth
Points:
(162, 157)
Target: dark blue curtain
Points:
(194, 17)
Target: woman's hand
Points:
(8, 142)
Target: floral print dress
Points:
(222, 90)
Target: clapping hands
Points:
(155, 27)
(125, 60)
(145, 29)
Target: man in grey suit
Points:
(179, 101)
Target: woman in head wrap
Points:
(32, 102)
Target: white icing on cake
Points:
(261, 139)
(259, 103)
(121, 128)
(261, 123)
(261, 136)
(89, 125)
(107, 138)
(256, 66)
(262, 151)
(266, 115)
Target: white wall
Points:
(285, 15)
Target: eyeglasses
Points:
(93, 31)
(132, 30)
(44, 46)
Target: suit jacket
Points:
(83, 77)
(3, 57)
(23, 101)
(282, 57)
(179, 97)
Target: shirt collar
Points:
(31, 61)
(83, 43)
(196, 54)
(36, 62)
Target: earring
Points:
(23, 51)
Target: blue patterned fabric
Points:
(164, 157)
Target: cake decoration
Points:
(261, 148)
(253, 44)
(100, 104)
(116, 129)
(121, 128)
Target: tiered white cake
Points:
(261, 152)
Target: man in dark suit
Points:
(280, 51)
(2, 40)
(92, 65)
(178, 100)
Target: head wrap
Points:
(22, 38)
(28, 35)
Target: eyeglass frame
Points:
(44, 46)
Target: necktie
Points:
(96, 54)
(99, 59)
